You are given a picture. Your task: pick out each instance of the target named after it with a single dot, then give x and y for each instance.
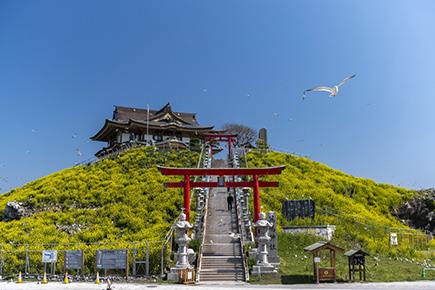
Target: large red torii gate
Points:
(255, 184)
(221, 138)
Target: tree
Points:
(245, 135)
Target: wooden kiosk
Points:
(325, 273)
(357, 263)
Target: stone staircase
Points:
(221, 253)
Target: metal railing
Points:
(27, 258)
(236, 164)
(376, 231)
(201, 247)
(275, 149)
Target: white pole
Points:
(148, 117)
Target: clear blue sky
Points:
(64, 64)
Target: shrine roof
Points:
(126, 113)
(322, 246)
(165, 118)
(356, 251)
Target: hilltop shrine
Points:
(162, 128)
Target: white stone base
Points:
(263, 269)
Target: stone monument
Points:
(262, 266)
(181, 227)
(272, 245)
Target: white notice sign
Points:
(316, 259)
(49, 256)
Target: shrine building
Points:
(162, 128)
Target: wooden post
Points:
(186, 196)
(229, 146)
(83, 264)
(126, 263)
(256, 199)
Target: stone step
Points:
(212, 276)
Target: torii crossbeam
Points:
(255, 184)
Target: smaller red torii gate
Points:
(221, 138)
(255, 184)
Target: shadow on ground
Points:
(296, 279)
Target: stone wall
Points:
(324, 232)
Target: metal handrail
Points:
(201, 248)
(242, 239)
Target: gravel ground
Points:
(420, 285)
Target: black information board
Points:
(298, 208)
(112, 259)
(73, 260)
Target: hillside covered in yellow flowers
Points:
(123, 199)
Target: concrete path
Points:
(420, 285)
(222, 259)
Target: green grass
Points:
(297, 265)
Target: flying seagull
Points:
(79, 153)
(333, 90)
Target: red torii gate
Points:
(255, 184)
(221, 138)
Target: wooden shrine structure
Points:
(221, 172)
(324, 273)
(357, 263)
(162, 128)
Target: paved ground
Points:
(421, 285)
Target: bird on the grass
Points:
(333, 90)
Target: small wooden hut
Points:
(325, 273)
(357, 263)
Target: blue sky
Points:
(64, 64)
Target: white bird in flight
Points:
(79, 153)
(333, 90)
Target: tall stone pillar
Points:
(272, 245)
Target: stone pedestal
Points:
(182, 240)
(262, 266)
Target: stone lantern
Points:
(181, 227)
(262, 266)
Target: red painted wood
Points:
(186, 196)
(221, 171)
(256, 199)
(227, 184)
